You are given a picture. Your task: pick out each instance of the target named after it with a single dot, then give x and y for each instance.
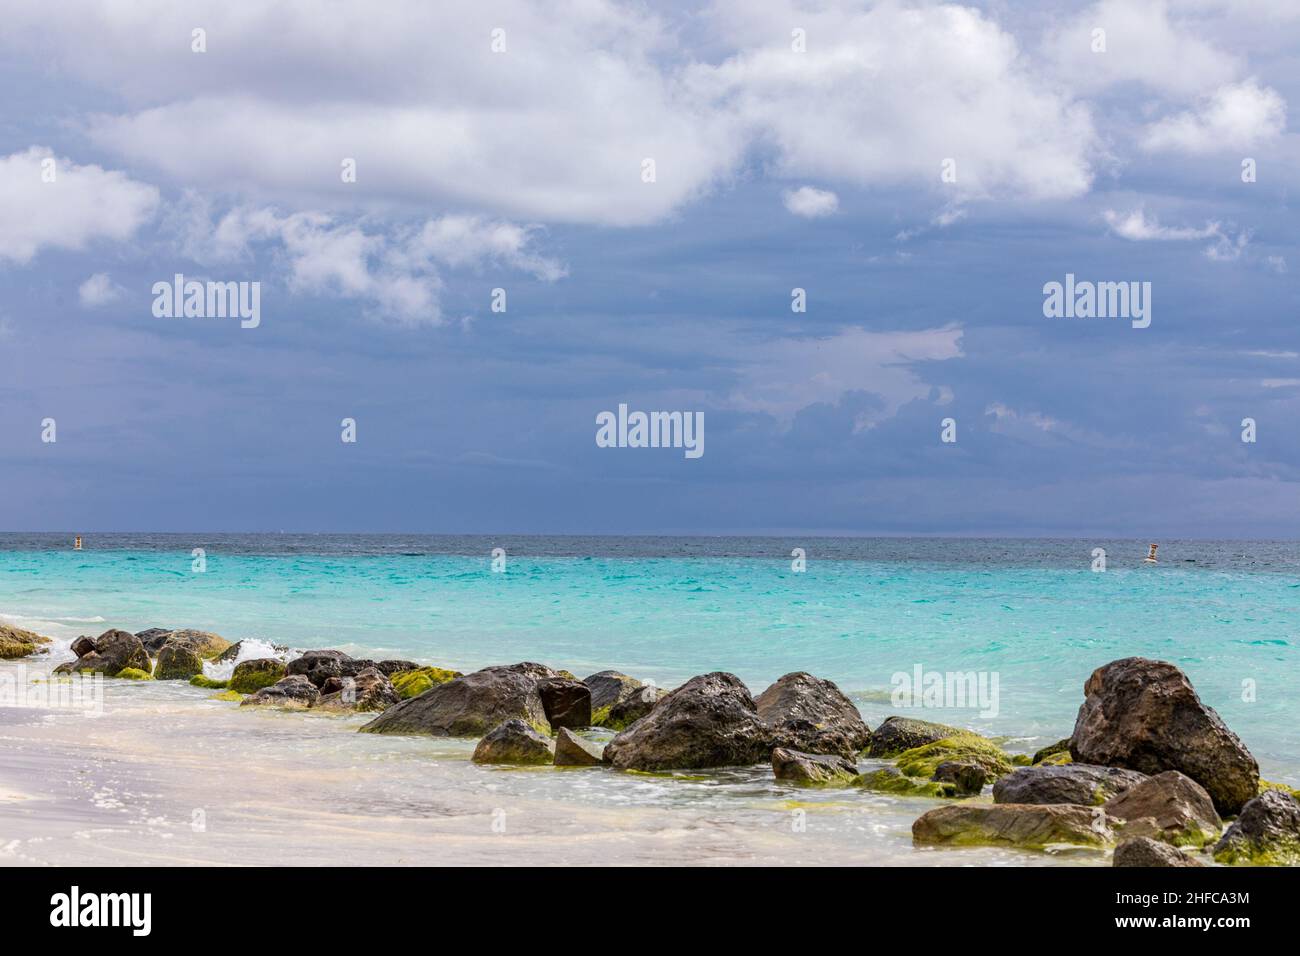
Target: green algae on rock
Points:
(210, 683)
(409, 684)
(251, 676)
(964, 746)
(16, 642)
(133, 673)
(1027, 826)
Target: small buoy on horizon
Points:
(76, 545)
(1151, 556)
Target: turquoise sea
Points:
(1032, 612)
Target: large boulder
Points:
(471, 705)
(153, 638)
(293, 693)
(1144, 715)
(812, 716)
(710, 721)
(608, 686)
(1079, 783)
(17, 642)
(1146, 852)
(1169, 806)
(1029, 826)
(566, 700)
(897, 734)
(574, 751)
(1266, 834)
(515, 742)
(370, 690)
(618, 701)
(627, 710)
(252, 676)
(806, 770)
(208, 645)
(114, 651)
(319, 666)
(178, 660)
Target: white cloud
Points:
(810, 203)
(1136, 226)
(81, 204)
(1144, 45)
(885, 95)
(556, 128)
(398, 272)
(1236, 116)
(99, 290)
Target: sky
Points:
(920, 170)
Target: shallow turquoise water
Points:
(1033, 613)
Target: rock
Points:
(897, 734)
(16, 642)
(1052, 750)
(566, 700)
(114, 651)
(231, 653)
(1029, 826)
(710, 721)
(892, 780)
(209, 645)
(964, 746)
(791, 766)
(133, 673)
(295, 693)
(1078, 783)
(320, 666)
(252, 676)
(1144, 851)
(370, 690)
(1266, 834)
(515, 742)
(81, 646)
(1169, 806)
(178, 660)
(153, 638)
(471, 705)
(812, 716)
(607, 687)
(415, 682)
(210, 683)
(1144, 715)
(618, 701)
(573, 751)
(632, 707)
(389, 668)
(967, 778)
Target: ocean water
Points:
(1029, 613)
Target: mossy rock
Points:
(233, 696)
(1021, 760)
(16, 642)
(1059, 759)
(414, 683)
(1269, 785)
(1053, 750)
(208, 683)
(251, 676)
(133, 673)
(923, 761)
(888, 780)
